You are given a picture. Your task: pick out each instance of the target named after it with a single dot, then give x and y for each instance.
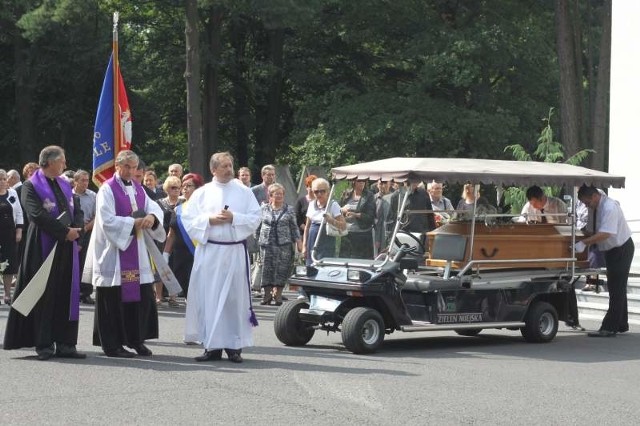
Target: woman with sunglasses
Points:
(171, 186)
(179, 249)
(318, 209)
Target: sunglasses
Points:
(174, 187)
(319, 191)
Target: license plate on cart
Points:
(323, 303)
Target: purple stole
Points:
(45, 192)
(129, 262)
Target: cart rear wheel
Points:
(288, 327)
(362, 330)
(469, 332)
(541, 323)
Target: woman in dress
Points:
(179, 249)
(171, 186)
(276, 236)
(10, 233)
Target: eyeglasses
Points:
(188, 185)
(319, 191)
(173, 188)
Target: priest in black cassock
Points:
(118, 263)
(54, 216)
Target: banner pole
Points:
(116, 77)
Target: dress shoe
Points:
(235, 357)
(215, 355)
(141, 349)
(69, 351)
(602, 333)
(87, 300)
(119, 353)
(45, 354)
(623, 329)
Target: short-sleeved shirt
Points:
(610, 219)
(552, 206)
(315, 213)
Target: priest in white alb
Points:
(118, 263)
(219, 217)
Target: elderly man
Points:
(540, 206)
(610, 231)
(88, 205)
(55, 217)
(219, 217)
(438, 201)
(175, 170)
(118, 263)
(261, 191)
(13, 179)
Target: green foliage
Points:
(361, 79)
(547, 150)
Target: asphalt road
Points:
(415, 379)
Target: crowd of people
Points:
(121, 240)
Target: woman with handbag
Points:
(359, 209)
(319, 209)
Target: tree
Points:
(197, 154)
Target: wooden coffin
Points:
(511, 241)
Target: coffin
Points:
(510, 241)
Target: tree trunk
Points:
(241, 109)
(211, 113)
(599, 133)
(197, 156)
(268, 135)
(570, 96)
(24, 100)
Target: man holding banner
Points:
(118, 263)
(46, 306)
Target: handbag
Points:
(334, 231)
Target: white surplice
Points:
(111, 234)
(219, 301)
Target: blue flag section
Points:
(103, 135)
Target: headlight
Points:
(357, 276)
(306, 271)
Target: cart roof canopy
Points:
(496, 172)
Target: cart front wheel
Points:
(362, 330)
(288, 327)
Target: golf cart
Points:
(485, 272)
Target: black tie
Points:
(544, 218)
(126, 182)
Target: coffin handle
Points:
(485, 254)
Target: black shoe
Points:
(235, 357)
(69, 351)
(141, 349)
(215, 355)
(45, 353)
(602, 333)
(87, 300)
(623, 329)
(119, 353)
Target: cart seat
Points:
(449, 247)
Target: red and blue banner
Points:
(112, 130)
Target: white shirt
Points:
(315, 213)
(553, 205)
(610, 219)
